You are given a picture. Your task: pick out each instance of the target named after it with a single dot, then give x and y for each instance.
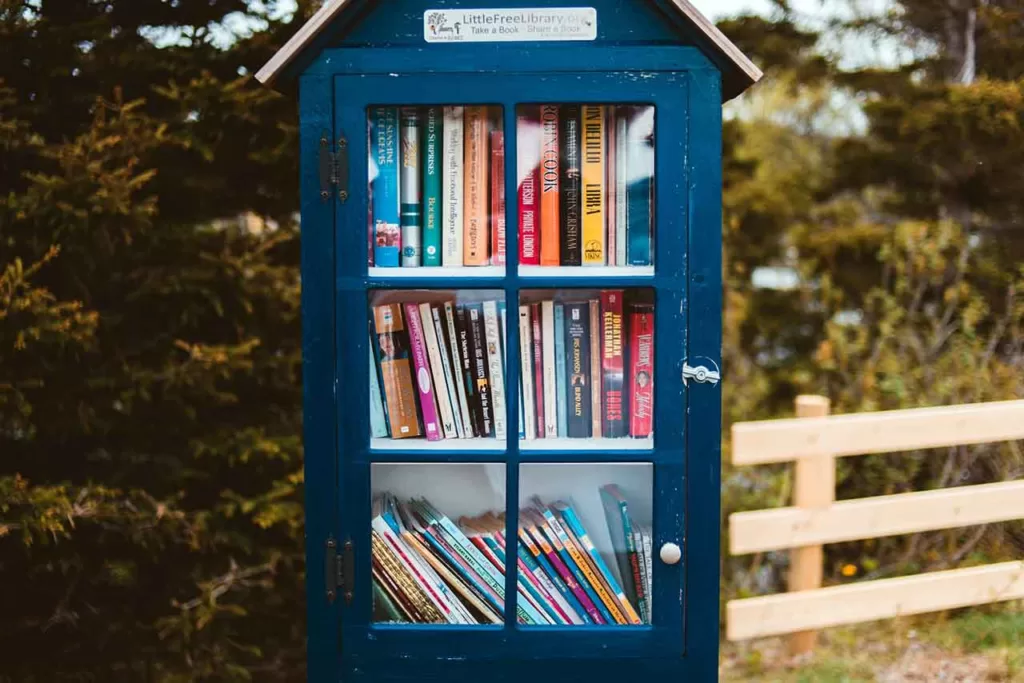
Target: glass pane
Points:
(586, 184)
(436, 186)
(586, 367)
(437, 368)
(585, 541)
(438, 547)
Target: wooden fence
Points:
(814, 440)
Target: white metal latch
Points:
(701, 374)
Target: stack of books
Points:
(438, 370)
(428, 569)
(437, 187)
(586, 185)
(586, 367)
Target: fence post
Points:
(814, 486)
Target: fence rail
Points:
(813, 440)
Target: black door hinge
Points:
(338, 577)
(333, 167)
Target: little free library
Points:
(511, 274)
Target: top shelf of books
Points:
(583, 195)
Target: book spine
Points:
(549, 595)
(527, 143)
(498, 197)
(387, 233)
(649, 569)
(432, 192)
(421, 368)
(614, 423)
(561, 390)
(476, 234)
(480, 374)
(494, 366)
(378, 422)
(529, 420)
(641, 374)
(448, 429)
(620, 530)
(443, 575)
(391, 581)
(621, 175)
(550, 215)
(579, 422)
(458, 371)
(396, 371)
(538, 367)
(569, 556)
(411, 189)
(611, 207)
(550, 546)
(550, 388)
(595, 369)
(577, 552)
(452, 556)
(570, 201)
(465, 331)
(640, 192)
(400, 571)
(568, 601)
(594, 190)
(388, 605)
(448, 366)
(434, 588)
(453, 186)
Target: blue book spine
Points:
(560, 386)
(560, 540)
(470, 578)
(544, 602)
(432, 217)
(556, 579)
(411, 189)
(384, 158)
(378, 423)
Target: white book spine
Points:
(446, 365)
(649, 569)
(411, 189)
(621, 171)
(494, 369)
(437, 373)
(460, 383)
(378, 422)
(550, 383)
(529, 410)
(453, 187)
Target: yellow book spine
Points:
(594, 160)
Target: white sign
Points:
(509, 25)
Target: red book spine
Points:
(538, 367)
(641, 372)
(498, 197)
(612, 405)
(527, 141)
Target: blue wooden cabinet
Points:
(637, 89)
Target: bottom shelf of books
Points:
(583, 556)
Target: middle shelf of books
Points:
(440, 551)
(439, 369)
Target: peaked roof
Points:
(747, 71)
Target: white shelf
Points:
(586, 271)
(442, 445)
(564, 444)
(441, 273)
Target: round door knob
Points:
(671, 554)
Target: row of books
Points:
(586, 185)
(428, 569)
(437, 187)
(586, 369)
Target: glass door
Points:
(508, 465)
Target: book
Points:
(529, 420)
(497, 197)
(594, 187)
(387, 234)
(437, 371)
(579, 422)
(571, 199)
(453, 187)
(550, 216)
(396, 371)
(476, 228)
(538, 368)
(561, 390)
(621, 175)
(385, 608)
(595, 369)
(411, 188)
(570, 603)
(620, 529)
(448, 367)
(495, 369)
(645, 534)
(641, 370)
(419, 597)
(433, 202)
(560, 560)
(613, 420)
(468, 357)
(398, 583)
(611, 188)
(458, 371)
(421, 371)
(640, 190)
(550, 388)
(528, 172)
(378, 421)
(480, 369)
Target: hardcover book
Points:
(528, 170)
(433, 203)
(480, 369)
(613, 406)
(396, 371)
(641, 370)
(453, 185)
(421, 367)
(550, 213)
(579, 421)
(571, 186)
(410, 190)
(387, 234)
(477, 233)
(498, 198)
(594, 160)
